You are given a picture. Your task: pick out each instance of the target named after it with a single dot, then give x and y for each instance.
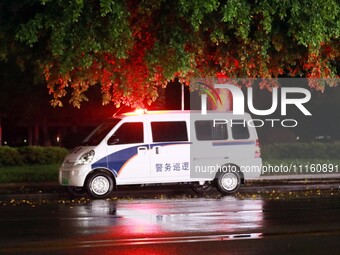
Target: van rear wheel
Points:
(228, 182)
(99, 185)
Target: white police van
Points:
(163, 147)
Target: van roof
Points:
(144, 112)
(170, 112)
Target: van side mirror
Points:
(113, 140)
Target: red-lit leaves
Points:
(168, 39)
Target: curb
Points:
(305, 177)
(272, 179)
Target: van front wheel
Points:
(228, 182)
(99, 185)
(75, 191)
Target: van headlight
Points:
(85, 158)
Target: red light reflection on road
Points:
(157, 218)
(143, 226)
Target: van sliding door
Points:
(170, 151)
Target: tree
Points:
(131, 48)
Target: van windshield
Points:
(100, 132)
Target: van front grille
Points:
(65, 174)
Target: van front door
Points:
(128, 154)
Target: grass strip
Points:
(29, 173)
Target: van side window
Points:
(169, 131)
(130, 132)
(240, 130)
(205, 131)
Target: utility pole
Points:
(0, 131)
(182, 99)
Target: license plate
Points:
(65, 181)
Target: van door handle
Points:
(142, 150)
(157, 149)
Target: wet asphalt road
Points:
(262, 223)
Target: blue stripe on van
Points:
(168, 143)
(226, 143)
(116, 160)
(101, 163)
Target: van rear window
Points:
(169, 131)
(206, 131)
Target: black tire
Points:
(228, 182)
(75, 191)
(99, 185)
(200, 189)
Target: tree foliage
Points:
(130, 48)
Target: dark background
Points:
(28, 119)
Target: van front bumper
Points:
(73, 176)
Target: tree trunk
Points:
(36, 134)
(0, 131)
(46, 136)
(30, 135)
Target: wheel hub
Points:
(100, 185)
(229, 181)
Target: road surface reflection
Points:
(159, 218)
(228, 225)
